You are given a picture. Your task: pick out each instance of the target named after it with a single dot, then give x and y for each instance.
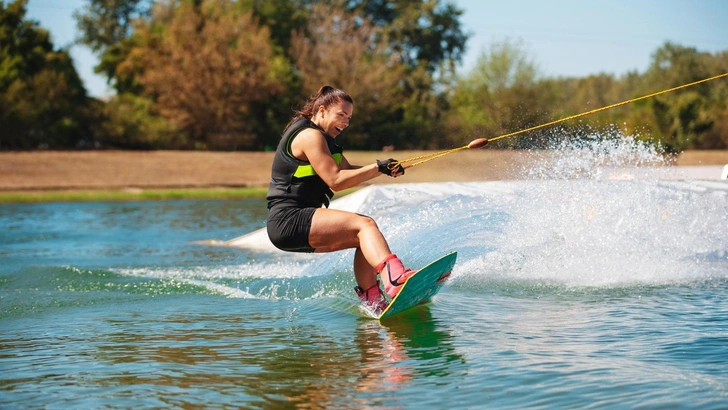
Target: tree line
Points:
(227, 75)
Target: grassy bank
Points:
(70, 176)
(84, 195)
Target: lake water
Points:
(568, 293)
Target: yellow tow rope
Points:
(483, 141)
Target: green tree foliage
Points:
(683, 119)
(502, 94)
(717, 108)
(424, 36)
(426, 33)
(419, 32)
(282, 17)
(105, 26)
(206, 69)
(416, 36)
(366, 70)
(42, 100)
(227, 74)
(132, 122)
(427, 37)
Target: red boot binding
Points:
(397, 274)
(372, 298)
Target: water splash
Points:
(612, 233)
(593, 211)
(584, 215)
(592, 155)
(289, 279)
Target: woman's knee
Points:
(364, 222)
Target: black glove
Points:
(390, 166)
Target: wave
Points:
(587, 215)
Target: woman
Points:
(307, 168)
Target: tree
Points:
(131, 122)
(681, 117)
(206, 70)
(682, 121)
(42, 100)
(503, 93)
(422, 32)
(282, 17)
(338, 49)
(424, 36)
(717, 136)
(106, 26)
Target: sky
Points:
(562, 37)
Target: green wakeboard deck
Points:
(422, 286)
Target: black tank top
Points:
(293, 180)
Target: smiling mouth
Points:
(339, 129)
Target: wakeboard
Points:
(422, 286)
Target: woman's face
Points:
(335, 118)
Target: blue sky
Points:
(563, 37)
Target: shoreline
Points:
(128, 194)
(72, 176)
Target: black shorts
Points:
(289, 226)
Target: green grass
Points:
(130, 194)
(10, 197)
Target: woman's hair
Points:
(325, 97)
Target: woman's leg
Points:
(363, 270)
(334, 230)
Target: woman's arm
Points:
(310, 145)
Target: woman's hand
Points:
(390, 167)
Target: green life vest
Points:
(296, 180)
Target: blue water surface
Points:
(567, 294)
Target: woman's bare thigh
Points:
(334, 230)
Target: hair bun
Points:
(325, 90)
